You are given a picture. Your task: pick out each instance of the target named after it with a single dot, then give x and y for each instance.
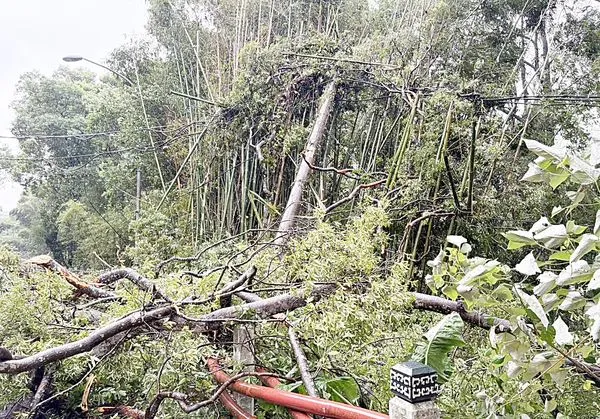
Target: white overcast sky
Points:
(36, 34)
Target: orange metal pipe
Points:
(295, 401)
(274, 383)
(235, 409)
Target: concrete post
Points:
(401, 409)
(243, 352)
(415, 387)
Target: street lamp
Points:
(75, 58)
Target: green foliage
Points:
(437, 344)
(549, 297)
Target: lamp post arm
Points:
(116, 73)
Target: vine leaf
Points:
(597, 224)
(586, 245)
(534, 306)
(528, 265)
(553, 236)
(437, 344)
(594, 284)
(575, 272)
(563, 336)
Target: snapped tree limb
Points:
(299, 354)
(81, 286)
(264, 308)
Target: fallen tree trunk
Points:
(288, 219)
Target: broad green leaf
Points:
(583, 172)
(572, 301)
(594, 314)
(563, 336)
(535, 174)
(478, 271)
(594, 284)
(528, 265)
(551, 153)
(586, 245)
(450, 292)
(502, 293)
(534, 305)
(541, 362)
(540, 225)
(436, 263)
(438, 342)
(550, 405)
(578, 271)
(343, 390)
(456, 240)
(595, 329)
(520, 236)
(547, 282)
(574, 229)
(564, 256)
(576, 197)
(553, 236)
(516, 245)
(513, 369)
(558, 179)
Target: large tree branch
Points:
(77, 347)
(445, 306)
(264, 308)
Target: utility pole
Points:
(138, 192)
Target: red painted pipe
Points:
(295, 401)
(273, 382)
(235, 409)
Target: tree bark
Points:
(288, 219)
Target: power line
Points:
(91, 135)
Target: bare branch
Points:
(344, 172)
(302, 362)
(353, 194)
(183, 398)
(141, 282)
